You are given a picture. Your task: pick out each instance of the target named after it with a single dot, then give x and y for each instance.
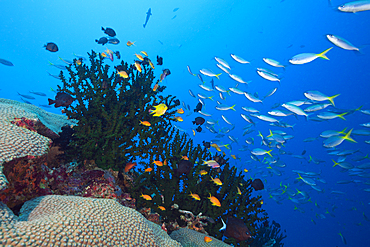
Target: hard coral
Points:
(71, 220)
(25, 130)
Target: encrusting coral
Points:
(71, 220)
(191, 238)
(26, 130)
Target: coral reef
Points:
(191, 238)
(25, 130)
(71, 220)
(109, 109)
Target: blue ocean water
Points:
(192, 36)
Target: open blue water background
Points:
(193, 35)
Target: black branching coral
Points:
(109, 109)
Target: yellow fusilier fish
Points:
(308, 57)
(159, 110)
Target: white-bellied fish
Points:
(316, 107)
(225, 108)
(191, 93)
(252, 98)
(189, 70)
(204, 114)
(220, 89)
(238, 79)
(260, 151)
(318, 96)
(246, 118)
(270, 93)
(223, 68)
(250, 109)
(355, 6)
(239, 59)
(204, 97)
(273, 63)
(226, 120)
(342, 43)
(331, 115)
(236, 90)
(222, 62)
(334, 141)
(294, 109)
(209, 73)
(265, 118)
(308, 57)
(267, 76)
(205, 87)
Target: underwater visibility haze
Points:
(281, 88)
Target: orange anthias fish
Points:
(139, 57)
(129, 166)
(146, 197)
(203, 172)
(151, 64)
(195, 196)
(138, 66)
(180, 111)
(122, 74)
(207, 239)
(178, 119)
(165, 162)
(143, 52)
(214, 201)
(216, 181)
(162, 208)
(145, 123)
(149, 169)
(155, 87)
(158, 163)
(239, 191)
(216, 147)
(129, 43)
(184, 158)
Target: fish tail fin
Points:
(322, 54)
(335, 163)
(271, 134)
(232, 108)
(50, 63)
(341, 115)
(331, 99)
(348, 137)
(357, 109)
(102, 28)
(343, 131)
(51, 101)
(268, 152)
(218, 76)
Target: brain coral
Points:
(18, 136)
(191, 238)
(78, 221)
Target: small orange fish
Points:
(207, 239)
(217, 181)
(233, 156)
(138, 66)
(139, 57)
(155, 87)
(129, 166)
(165, 162)
(151, 64)
(122, 74)
(178, 119)
(162, 208)
(216, 147)
(129, 43)
(214, 201)
(193, 132)
(146, 197)
(203, 172)
(180, 111)
(239, 191)
(143, 52)
(148, 169)
(184, 158)
(261, 202)
(78, 62)
(246, 170)
(158, 163)
(195, 196)
(145, 123)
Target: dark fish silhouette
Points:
(159, 60)
(61, 99)
(207, 144)
(148, 14)
(6, 62)
(26, 96)
(199, 129)
(118, 55)
(199, 121)
(184, 167)
(198, 107)
(51, 47)
(236, 228)
(102, 40)
(113, 41)
(257, 184)
(175, 9)
(109, 31)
